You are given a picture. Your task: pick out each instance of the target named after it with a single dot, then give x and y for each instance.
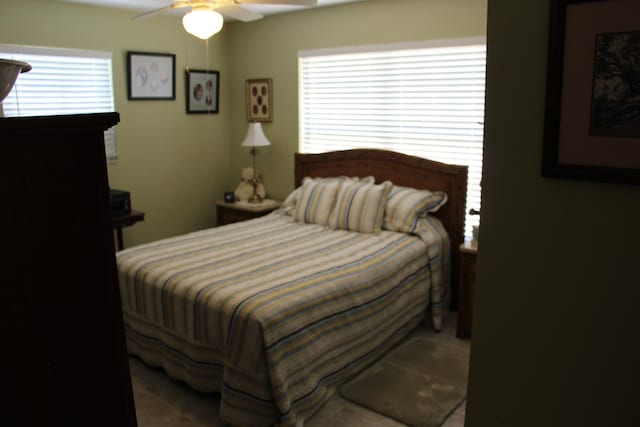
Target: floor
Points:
(163, 402)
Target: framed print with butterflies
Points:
(259, 100)
(151, 76)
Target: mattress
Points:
(275, 314)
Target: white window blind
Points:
(62, 81)
(424, 99)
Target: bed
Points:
(277, 312)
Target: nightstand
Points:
(466, 289)
(242, 211)
(125, 221)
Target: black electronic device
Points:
(120, 203)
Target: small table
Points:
(125, 221)
(467, 287)
(242, 211)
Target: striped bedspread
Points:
(274, 314)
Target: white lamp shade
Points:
(255, 137)
(202, 23)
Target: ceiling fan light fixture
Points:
(202, 23)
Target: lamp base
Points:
(256, 197)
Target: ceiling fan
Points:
(205, 17)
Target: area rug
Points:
(420, 383)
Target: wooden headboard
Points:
(401, 169)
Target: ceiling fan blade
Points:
(152, 12)
(283, 2)
(237, 12)
(175, 5)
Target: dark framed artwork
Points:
(615, 97)
(259, 100)
(151, 76)
(203, 89)
(592, 110)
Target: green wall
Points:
(174, 164)
(555, 319)
(269, 49)
(177, 165)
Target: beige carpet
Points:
(420, 383)
(164, 402)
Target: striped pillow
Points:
(360, 207)
(315, 202)
(406, 205)
(289, 204)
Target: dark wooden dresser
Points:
(64, 351)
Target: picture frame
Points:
(151, 76)
(202, 91)
(591, 130)
(259, 100)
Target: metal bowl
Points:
(9, 70)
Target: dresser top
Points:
(101, 121)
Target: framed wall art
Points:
(592, 110)
(151, 76)
(203, 88)
(259, 100)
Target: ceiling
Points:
(147, 5)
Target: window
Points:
(62, 81)
(424, 99)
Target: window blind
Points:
(62, 81)
(423, 99)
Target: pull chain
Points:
(186, 51)
(206, 66)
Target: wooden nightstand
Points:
(466, 290)
(125, 221)
(242, 211)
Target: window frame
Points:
(470, 153)
(41, 106)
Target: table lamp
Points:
(255, 138)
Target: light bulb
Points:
(202, 23)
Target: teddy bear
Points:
(244, 191)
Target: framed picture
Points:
(151, 76)
(203, 88)
(592, 110)
(259, 100)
